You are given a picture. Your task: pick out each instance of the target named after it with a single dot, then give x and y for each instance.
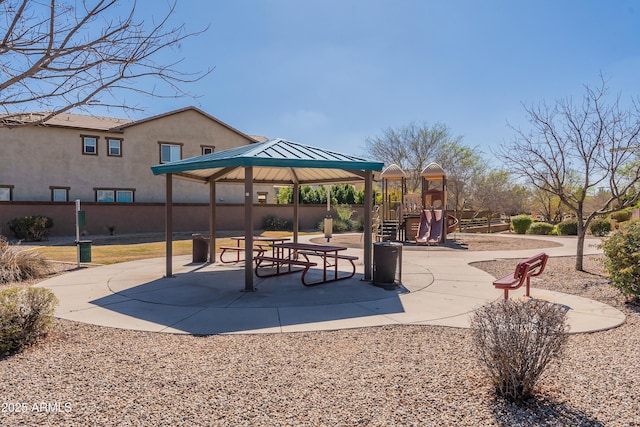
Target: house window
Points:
(124, 196)
(170, 152)
(89, 145)
(207, 149)
(114, 147)
(111, 195)
(6, 193)
(262, 197)
(59, 194)
(105, 196)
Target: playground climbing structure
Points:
(420, 218)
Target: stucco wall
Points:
(35, 158)
(150, 217)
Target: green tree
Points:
(285, 195)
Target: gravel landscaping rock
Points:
(399, 375)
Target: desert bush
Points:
(274, 223)
(622, 259)
(568, 227)
(515, 341)
(540, 228)
(32, 228)
(600, 227)
(25, 316)
(341, 220)
(621, 216)
(17, 264)
(521, 223)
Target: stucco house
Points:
(108, 160)
(106, 164)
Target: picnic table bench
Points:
(281, 265)
(523, 273)
(261, 245)
(289, 254)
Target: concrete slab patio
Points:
(439, 288)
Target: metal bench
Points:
(350, 258)
(279, 265)
(525, 270)
(238, 249)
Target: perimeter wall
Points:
(150, 217)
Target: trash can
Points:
(85, 250)
(387, 264)
(200, 247)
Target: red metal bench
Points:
(525, 270)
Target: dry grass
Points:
(113, 251)
(17, 265)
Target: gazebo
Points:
(278, 162)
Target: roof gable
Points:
(182, 110)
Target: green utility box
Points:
(85, 250)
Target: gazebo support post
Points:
(169, 226)
(248, 229)
(296, 212)
(212, 222)
(368, 241)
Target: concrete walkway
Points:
(439, 288)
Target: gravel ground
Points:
(404, 375)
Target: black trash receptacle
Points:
(387, 264)
(200, 247)
(85, 250)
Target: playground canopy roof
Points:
(276, 161)
(393, 171)
(433, 170)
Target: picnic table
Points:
(288, 255)
(261, 245)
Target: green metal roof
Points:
(276, 161)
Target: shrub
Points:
(568, 227)
(540, 228)
(17, 265)
(342, 220)
(516, 340)
(600, 227)
(621, 216)
(622, 259)
(25, 316)
(274, 223)
(521, 223)
(32, 228)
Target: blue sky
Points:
(332, 73)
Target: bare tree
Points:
(412, 147)
(463, 165)
(548, 205)
(572, 150)
(492, 193)
(59, 55)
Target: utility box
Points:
(387, 264)
(85, 250)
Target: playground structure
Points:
(420, 218)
